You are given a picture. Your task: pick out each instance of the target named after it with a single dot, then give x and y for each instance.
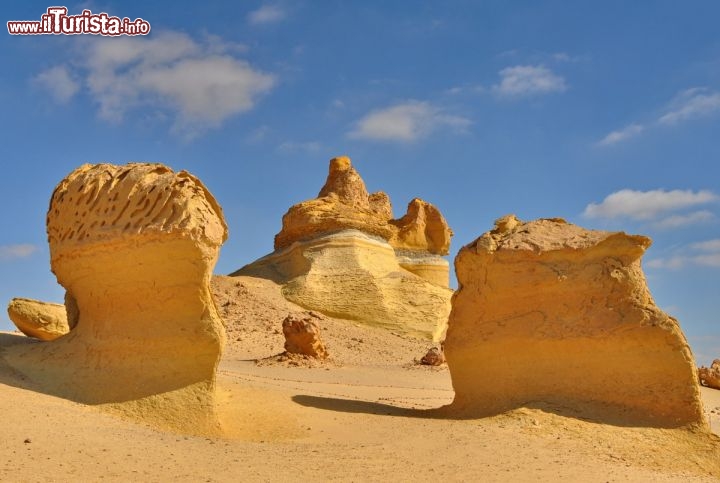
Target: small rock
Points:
(434, 357)
(302, 335)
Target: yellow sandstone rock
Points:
(134, 246)
(41, 320)
(551, 314)
(342, 254)
(354, 276)
(344, 203)
(710, 376)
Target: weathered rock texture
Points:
(422, 235)
(342, 254)
(553, 314)
(41, 320)
(710, 376)
(134, 246)
(433, 357)
(302, 335)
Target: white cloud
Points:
(405, 122)
(707, 246)
(646, 205)
(200, 84)
(707, 260)
(11, 252)
(623, 134)
(208, 90)
(526, 80)
(691, 104)
(58, 82)
(267, 14)
(709, 257)
(676, 221)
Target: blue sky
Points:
(605, 113)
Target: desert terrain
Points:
(367, 414)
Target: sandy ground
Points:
(365, 416)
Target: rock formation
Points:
(342, 254)
(433, 357)
(710, 376)
(302, 335)
(41, 320)
(553, 314)
(134, 246)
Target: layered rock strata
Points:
(551, 314)
(134, 246)
(342, 254)
(421, 236)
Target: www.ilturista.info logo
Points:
(57, 22)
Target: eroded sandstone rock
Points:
(344, 203)
(710, 376)
(134, 246)
(41, 320)
(302, 335)
(351, 275)
(342, 254)
(553, 314)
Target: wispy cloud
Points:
(676, 221)
(12, 252)
(647, 205)
(267, 14)
(528, 80)
(688, 105)
(701, 254)
(691, 104)
(465, 89)
(198, 84)
(294, 147)
(622, 135)
(59, 82)
(707, 246)
(565, 57)
(405, 122)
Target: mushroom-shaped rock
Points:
(553, 314)
(134, 246)
(41, 320)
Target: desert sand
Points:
(367, 414)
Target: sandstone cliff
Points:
(134, 246)
(342, 254)
(551, 314)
